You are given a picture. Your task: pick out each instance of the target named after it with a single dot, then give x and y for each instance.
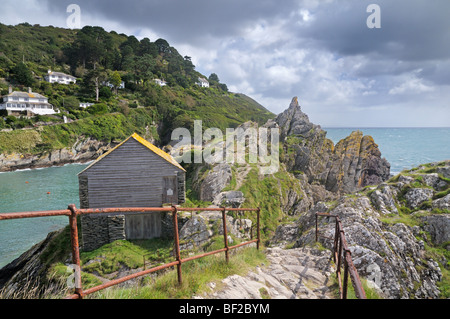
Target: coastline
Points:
(80, 153)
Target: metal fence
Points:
(339, 245)
(72, 212)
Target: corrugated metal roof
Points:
(147, 144)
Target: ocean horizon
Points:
(403, 147)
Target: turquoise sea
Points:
(57, 187)
(404, 148)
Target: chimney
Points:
(29, 90)
(10, 89)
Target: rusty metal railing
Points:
(339, 245)
(72, 212)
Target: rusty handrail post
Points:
(225, 234)
(177, 243)
(337, 242)
(341, 251)
(317, 228)
(258, 226)
(345, 285)
(75, 249)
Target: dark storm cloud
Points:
(319, 50)
(410, 30)
(183, 21)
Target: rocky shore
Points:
(83, 150)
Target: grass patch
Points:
(130, 254)
(403, 217)
(196, 275)
(442, 256)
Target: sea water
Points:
(34, 190)
(404, 148)
(57, 187)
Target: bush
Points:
(105, 92)
(98, 109)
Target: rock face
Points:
(27, 271)
(199, 229)
(392, 255)
(84, 150)
(439, 228)
(300, 273)
(215, 182)
(353, 163)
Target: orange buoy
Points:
(48, 192)
(26, 182)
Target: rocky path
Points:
(301, 273)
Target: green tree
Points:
(115, 80)
(93, 45)
(71, 103)
(22, 74)
(92, 81)
(144, 67)
(98, 109)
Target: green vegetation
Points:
(95, 57)
(130, 254)
(107, 260)
(268, 193)
(196, 275)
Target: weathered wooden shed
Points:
(133, 174)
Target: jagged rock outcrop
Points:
(351, 164)
(392, 256)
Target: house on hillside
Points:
(86, 104)
(59, 77)
(160, 82)
(203, 83)
(121, 85)
(133, 174)
(28, 103)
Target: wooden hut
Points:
(133, 174)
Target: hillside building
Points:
(28, 103)
(59, 77)
(133, 174)
(160, 82)
(203, 83)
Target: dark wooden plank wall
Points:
(131, 176)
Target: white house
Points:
(121, 86)
(203, 83)
(86, 104)
(58, 77)
(30, 102)
(160, 82)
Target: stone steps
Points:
(301, 273)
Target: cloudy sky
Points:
(344, 73)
